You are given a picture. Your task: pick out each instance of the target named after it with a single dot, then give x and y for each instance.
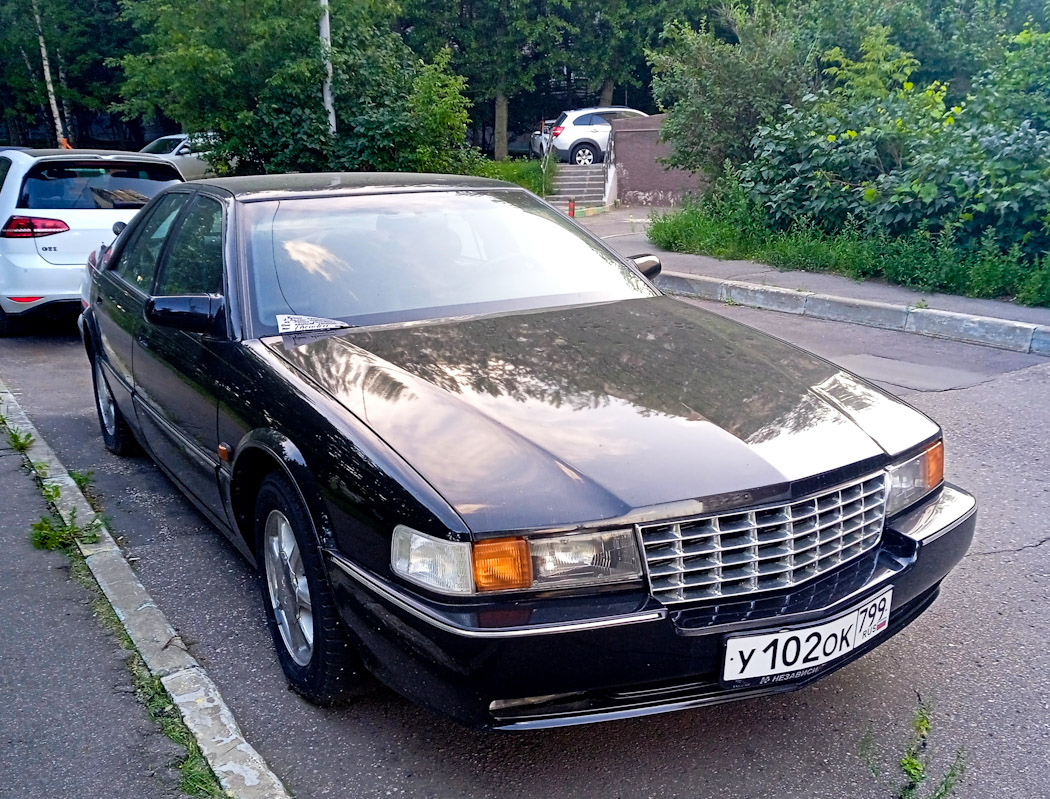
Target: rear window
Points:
(163, 146)
(5, 167)
(91, 185)
(561, 118)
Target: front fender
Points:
(257, 453)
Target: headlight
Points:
(910, 481)
(442, 565)
(507, 564)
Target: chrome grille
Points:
(741, 553)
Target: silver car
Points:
(582, 136)
(186, 151)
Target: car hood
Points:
(570, 415)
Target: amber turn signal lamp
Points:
(935, 464)
(502, 564)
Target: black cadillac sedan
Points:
(477, 454)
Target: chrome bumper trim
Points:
(420, 611)
(929, 522)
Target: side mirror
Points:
(118, 228)
(648, 265)
(192, 313)
(184, 149)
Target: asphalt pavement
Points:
(70, 725)
(979, 654)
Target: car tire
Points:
(584, 155)
(312, 646)
(7, 324)
(116, 434)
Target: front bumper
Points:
(533, 663)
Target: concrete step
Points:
(576, 183)
(590, 199)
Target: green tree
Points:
(252, 74)
(718, 88)
(77, 37)
(500, 46)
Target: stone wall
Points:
(635, 175)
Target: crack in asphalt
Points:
(938, 390)
(1012, 551)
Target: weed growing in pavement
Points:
(915, 763)
(83, 478)
(19, 441)
(40, 469)
(52, 493)
(53, 532)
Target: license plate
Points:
(794, 654)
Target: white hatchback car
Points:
(582, 136)
(56, 207)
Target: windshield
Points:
(163, 146)
(80, 185)
(403, 257)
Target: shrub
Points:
(716, 92)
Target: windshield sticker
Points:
(293, 323)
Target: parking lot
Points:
(978, 655)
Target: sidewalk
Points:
(70, 724)
(992, 322)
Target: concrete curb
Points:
(1004, 334)
(241, 770)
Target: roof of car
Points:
(263, 186)
(116, 155)
(597, 108)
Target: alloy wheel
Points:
(288, 588)
(107, 408)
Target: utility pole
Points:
(326, 49)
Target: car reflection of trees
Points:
(660, 356)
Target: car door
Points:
(599, 131)
(178, 373)
(121, 292)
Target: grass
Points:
(731, 228)
(536, 176)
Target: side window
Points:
(138, 261)
(598, 119)
(583, 120)
(193, 264)
(5, 167)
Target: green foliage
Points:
(19, 441)
(883, 67)
(717, 92)
(906, 159)
(728, 223)
(253, 75)
(1017, 88)
(53, 532)
(83, 478)
(528, 174)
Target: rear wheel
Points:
(7, 324)
(583, 155)
(312, 646)
(116, 434)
